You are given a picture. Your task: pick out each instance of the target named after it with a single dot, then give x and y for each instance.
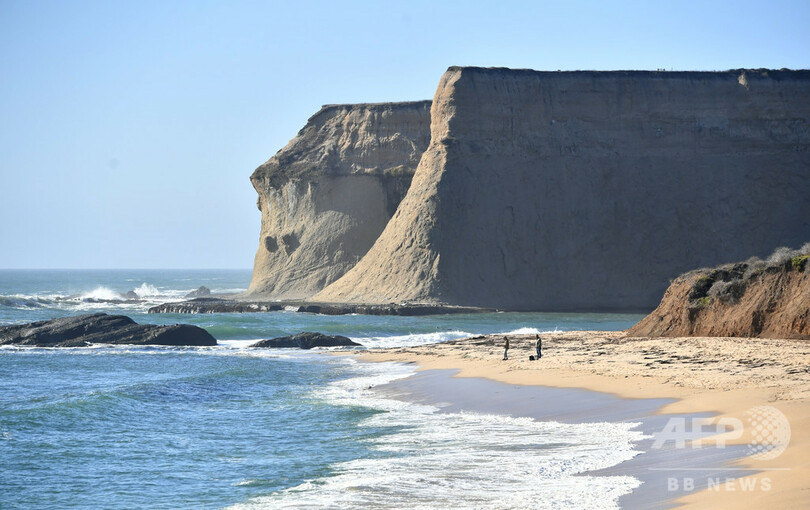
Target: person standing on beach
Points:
(539, 346)
(505, 348)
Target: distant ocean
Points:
(225, 426)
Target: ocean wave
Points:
(146, 290)
(101, 293)
(98, 298)
(234, 290)
(23, 301)
(463, 460)
(410, 340)
(528, 331)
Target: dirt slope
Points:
(739, 300)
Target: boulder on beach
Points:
(307, 341)
(101, 328)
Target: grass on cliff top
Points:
(727, 283)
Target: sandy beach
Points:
(731, 384)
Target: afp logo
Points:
(770, 432)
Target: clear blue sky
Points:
(128, 130)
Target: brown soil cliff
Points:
(752, 299)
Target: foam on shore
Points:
(435, 459)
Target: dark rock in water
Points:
(219, 305)
(307, 341)
(203, 291)
(100, 328)
(128, 298)
(215, 305)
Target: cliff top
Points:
(332, 109)
(345, 139)
(775, 74)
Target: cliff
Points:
(750, 299)
(328, 194)
(591, 190)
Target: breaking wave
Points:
(462, 460)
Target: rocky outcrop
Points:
(591, 190)
(100, 328)
(217, 305)
(749, 299)
(307, 341)
(199, 292)
(327, 195)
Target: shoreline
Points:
(716, 379)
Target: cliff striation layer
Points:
(749, 299)
(591, 190)
(327, 195)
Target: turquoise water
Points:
(123, 427)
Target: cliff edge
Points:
(327, 195)
(769, 299)
(591, 190)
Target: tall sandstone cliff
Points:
(591, 190)
(327, 195)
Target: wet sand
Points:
(657, 379)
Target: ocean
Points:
(232, 427)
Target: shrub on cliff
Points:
(728, 283)
(781, 256)
(729, 291)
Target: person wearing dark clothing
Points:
(538, 345)
(505, 348)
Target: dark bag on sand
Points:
(531, 358)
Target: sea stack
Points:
(591, 190)
(327, 195)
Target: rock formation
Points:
(307, 341)
(590, 190)
(749, 299)
(201, 291)
(245, 305)
(327, 195)
(100, 328)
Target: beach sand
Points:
(717, 379)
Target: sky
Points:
(128, 130)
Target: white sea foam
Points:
(463, 460)
(146, 291)
(101, 293)
(409, 340)
(101, 297)
(234, 290)
(524, 331)
(236, 344)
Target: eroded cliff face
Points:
(327, 195)
(591, 190)
(740, 300)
